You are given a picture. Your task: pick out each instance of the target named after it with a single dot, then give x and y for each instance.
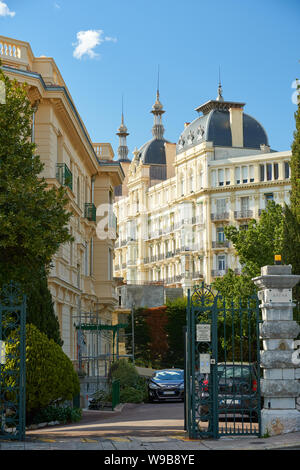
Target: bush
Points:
(131, 395)
(133, 388)
(50, 376)
(57, 413)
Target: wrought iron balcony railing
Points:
(90, 211)
(64, 175)
(245, 214)
(220, 216)
(219, 244)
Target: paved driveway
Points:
(149, 419)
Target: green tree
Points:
(257, 245)
(291, 227)
(176, 313)
(40, 309)
(33, 217)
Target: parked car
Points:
(237, 389)
(167, 384)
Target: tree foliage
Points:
(291, 228)
(40, 309)
(257, 245)
(33, 217)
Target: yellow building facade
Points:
(81, 279)
(177, 198)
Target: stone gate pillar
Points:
(279, 386)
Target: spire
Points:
(122, 133)
(157, 111)
(220, 91)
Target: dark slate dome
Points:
(214, 126)
(153, 152)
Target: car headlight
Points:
(153, 386)
(181, 386)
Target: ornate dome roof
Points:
(214, 126)
(153, 152)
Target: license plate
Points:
(168, 393)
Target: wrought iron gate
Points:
(12, 362)
(222, 365)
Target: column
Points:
(279, 386)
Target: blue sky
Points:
(255, 42)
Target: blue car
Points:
(167, 384)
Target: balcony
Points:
(218, 272)
(245, 214)
(197, 275)
(90, 211)
(219, 216)
(219, 244)
(64, 175)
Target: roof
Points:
(153, 152)
(214, 126)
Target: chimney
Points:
(236, 125)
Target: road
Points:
(149, 419)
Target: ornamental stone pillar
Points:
(279, 385)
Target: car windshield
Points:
(229, 372)
(169, 375)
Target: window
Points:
(237, 175)
(244, 204)
(262, 172)
(221, 206)
(78, 191)
(221, 262)
(269, 171)
(251, 173)
(245, 174)
(286, 170)
(268, 197)
(91, 256)
(221, 177)
(227, 176)
(213, 178)
(220, 234)
(86, 259)
(275, 169)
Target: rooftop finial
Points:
(220, 91)
(122, 133)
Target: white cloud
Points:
(87, 41)
(57, 6)
(5, 11)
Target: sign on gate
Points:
(203, 333)
(222, 366)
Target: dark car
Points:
(167, 384)
(237, 389)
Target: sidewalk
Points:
(155, 443)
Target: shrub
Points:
(131, 395)
(50, 376)
(133, 388)
(63, 414)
